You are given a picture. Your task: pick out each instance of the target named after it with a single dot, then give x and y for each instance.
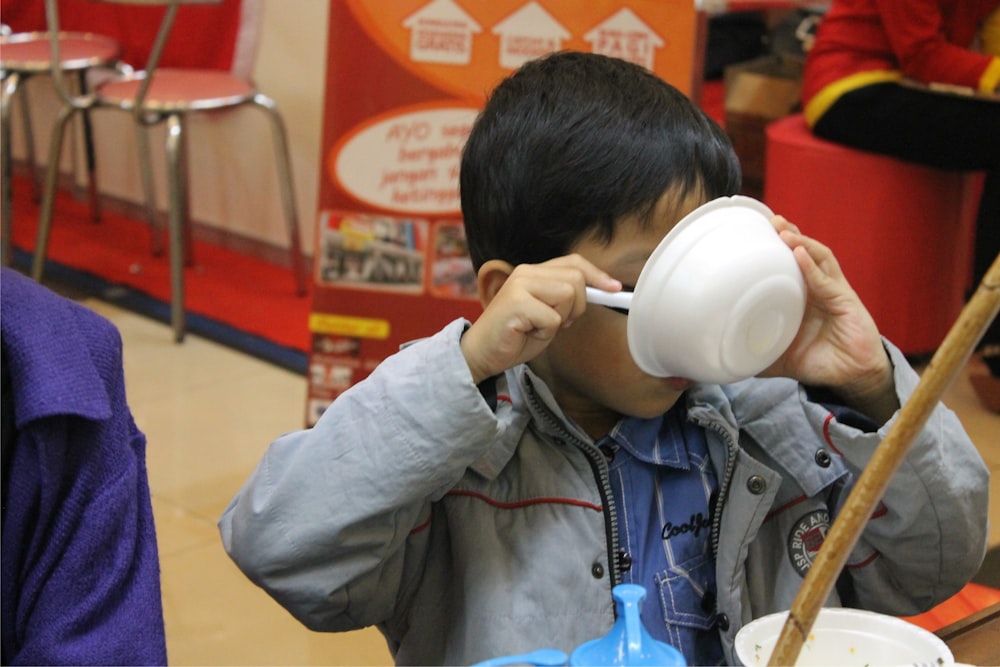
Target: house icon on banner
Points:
(528, 33)
(624, 35)
(441, 32)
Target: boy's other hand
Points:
(525, 307)
(838, 345)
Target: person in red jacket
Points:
(918, 80)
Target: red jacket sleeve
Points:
(932, 47)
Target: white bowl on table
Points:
(846, 638)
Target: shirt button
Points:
(823, 458)
(756, 485)
(624, 561)
(609, 452)
(597, 570)
(723, 622)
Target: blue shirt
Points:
(664, 487)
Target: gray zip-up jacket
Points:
(469, 524)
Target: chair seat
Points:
(180, 90)
(29, 52)
(902, 232)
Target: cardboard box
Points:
(757, 92)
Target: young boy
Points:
(482, 491)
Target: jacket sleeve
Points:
(925, 53)
(335, 516)
(990, 33)
(927, 537)
(990, 40)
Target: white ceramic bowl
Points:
(846, 637)
(720, 298)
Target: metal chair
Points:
(167, 95)
(26, 54)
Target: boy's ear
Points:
(491, 277)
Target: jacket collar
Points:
(531, 401)
(771, 419)
(765, 417)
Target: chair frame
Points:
(147, 114)
(14, 74)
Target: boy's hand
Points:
(838, 345)
(526, 309)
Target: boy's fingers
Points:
(561, 297)
(605, 282)
(592, 275)
(540, 322)
(562, 284)
(822, 256)
(781, 223)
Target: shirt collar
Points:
(660, 440)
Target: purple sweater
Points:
(80, 572)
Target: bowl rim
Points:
(733, 201)
(836, 614)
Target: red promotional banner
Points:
(405, 80)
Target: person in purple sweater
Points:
(80, 571)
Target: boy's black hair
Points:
(573, 142)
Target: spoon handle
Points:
(612, 299)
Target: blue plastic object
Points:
(546, 657)
(628, 643)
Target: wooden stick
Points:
(947, 362)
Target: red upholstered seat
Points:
(209, 35)
(30, 52)
(184, 90)
(902, 232)
(26, 54)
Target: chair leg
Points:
(148, 187)
(284, 164)
(175, 223)
(185, 201)
(49, 195)
(6, 164)
(29, 145)
(88, 145)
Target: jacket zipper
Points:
(727, 479)
(599, 466)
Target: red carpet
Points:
(230, 296)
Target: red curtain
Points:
(203, 36)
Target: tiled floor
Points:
(208, 414)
